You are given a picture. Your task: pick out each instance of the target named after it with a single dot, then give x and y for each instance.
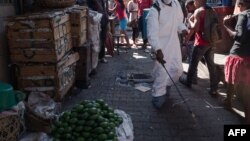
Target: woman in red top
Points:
(123, 19)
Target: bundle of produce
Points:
(88, 121)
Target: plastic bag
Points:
(125, 131)
(40, 136)
(41, 111)
(43, 105)
(133, 24)
(94, 29)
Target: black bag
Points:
(133, 23)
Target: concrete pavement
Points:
(173, 122)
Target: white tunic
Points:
(163, 31)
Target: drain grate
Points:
(140, 77)
(134, 79)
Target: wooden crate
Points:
(79, 40)
(40, 33)
(41, 52)
(78, 14)
(79, 25)
(84, 65)
(40, 26)
(52, 79)
(32, 36)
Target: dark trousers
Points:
(103, 36)
(135, 33)
(145, 40)
(197, 54)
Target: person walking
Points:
(164, 21)
(189, 39)
(143, 4)
(201, 48)
(123, 19)
(133, 19)
(237, 67)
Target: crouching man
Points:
(164, 21)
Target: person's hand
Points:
(187, 38)
(191, 18)
(160, 56)
(184, 33)
(228, 20)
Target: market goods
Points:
(88, 121)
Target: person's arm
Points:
(113, 9)
(130, 7)
(189, 35)
(240, 29)
(238, 33)
(181, 26)
(153, 29)
(227, 25)
(194, 20)
(153, 34)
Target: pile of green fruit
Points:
(88, 121)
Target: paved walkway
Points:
(173, 122)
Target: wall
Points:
(5, 11)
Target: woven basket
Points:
(9, 128)
(55, 3)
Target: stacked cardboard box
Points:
(40, 45)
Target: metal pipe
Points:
(178, 90)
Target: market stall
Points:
(52, 48)
(41, 47)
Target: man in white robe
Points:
(163, 24)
